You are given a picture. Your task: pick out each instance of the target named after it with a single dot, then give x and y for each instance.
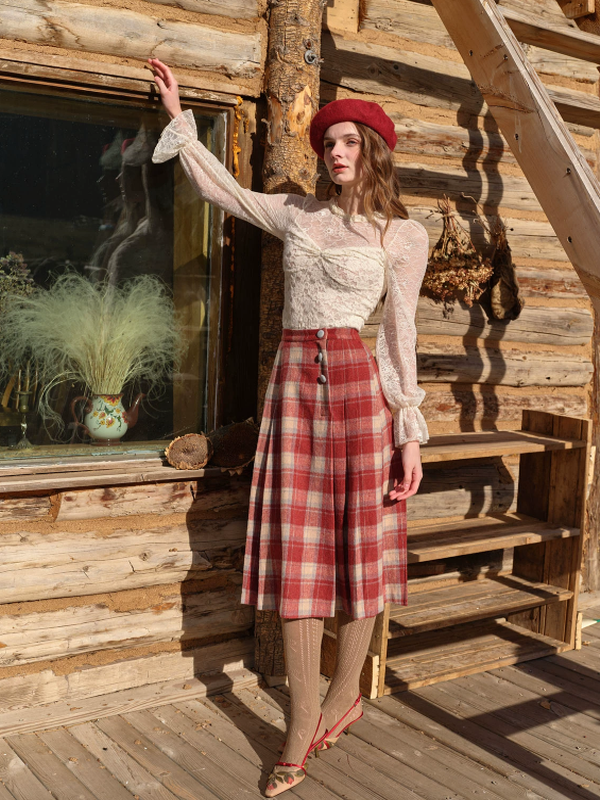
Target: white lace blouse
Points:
(335, 268)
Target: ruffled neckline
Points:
(339, 212)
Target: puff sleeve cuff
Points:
(180, 132)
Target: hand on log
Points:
(191, 451)
(167, 86)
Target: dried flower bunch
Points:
(455, 271)
(95, 334)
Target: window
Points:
(80, 194)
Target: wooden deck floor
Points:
(528, 732)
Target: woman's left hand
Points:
(412, 469)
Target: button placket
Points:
(322, 362)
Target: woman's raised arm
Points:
(210, 178)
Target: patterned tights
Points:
(302, 644)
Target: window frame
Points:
(124, 84)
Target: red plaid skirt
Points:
(322, 532)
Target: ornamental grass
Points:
(95, 334)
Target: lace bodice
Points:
(335, 268)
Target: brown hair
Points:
(382, 187)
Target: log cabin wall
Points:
(125, 584)
(132, 582)
(478, 374)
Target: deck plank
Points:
(48, 769)
(140, 748)
(18, 779)
(78, 760)
(564, 698)
(210, 762)
(138, 780)
(560, 768)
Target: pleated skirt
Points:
(322, 531)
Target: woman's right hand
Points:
(167, 86)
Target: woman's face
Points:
(343, 160)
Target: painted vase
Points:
(105, 420)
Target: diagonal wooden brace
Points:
(545, 150)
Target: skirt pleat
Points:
(322, 532)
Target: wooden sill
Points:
(29, 475)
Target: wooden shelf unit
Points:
(455, 629)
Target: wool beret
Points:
(370, 114)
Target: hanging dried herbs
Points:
(455, 271)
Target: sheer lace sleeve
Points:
(271, 212)
(397, 336)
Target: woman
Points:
(327, 520)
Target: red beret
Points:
(370, 114)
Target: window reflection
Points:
(80, 193)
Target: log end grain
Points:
(191, 451)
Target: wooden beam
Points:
(529, 27)
(557, 172)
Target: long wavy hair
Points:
(382, 187)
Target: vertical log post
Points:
(292, 90)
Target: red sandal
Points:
(290, 775)
(331, 737)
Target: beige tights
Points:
(353, 638)
(302, 646)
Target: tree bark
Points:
(292, 91)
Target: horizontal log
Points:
(48, 686)
(120, 32)
(535, 324)
(35, 566)
(473, 146)
(42, 64)
(45, 636)
(478, 181)
(550, 283)
(189, 497)
(418, 22)
(469, 364)
(483, 488)
(426, 80)
(237, 9)
(14, 509)
(527, 238)
(464, 408)
(543, 29)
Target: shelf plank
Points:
(470, 602)
(463, 650)
(484, 444)
(494, 532)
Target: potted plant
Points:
(95, 334)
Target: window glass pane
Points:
(80, 194)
